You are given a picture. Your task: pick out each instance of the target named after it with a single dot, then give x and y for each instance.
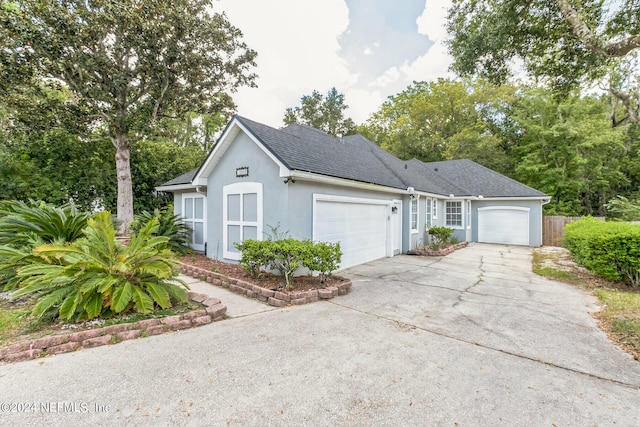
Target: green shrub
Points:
(169, 225)
(441, 236)
(287, 255)
(323, 257)
(255, 255)
(609, 249)
(97, 276)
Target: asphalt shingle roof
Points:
(185, 178)
(354, 157)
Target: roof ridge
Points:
(384, 162)
(425, 166)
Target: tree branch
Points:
(584, 33)
(625, 98)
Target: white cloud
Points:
(391, 76)
(299, 51)
(362, 103)
(436, 61)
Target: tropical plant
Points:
(97, 276)
(23, 226)
(169, 225)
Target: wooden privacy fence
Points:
(553, 228)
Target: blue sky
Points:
(367, 49)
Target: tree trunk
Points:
(125, 188)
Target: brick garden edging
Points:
(63, 343)
(441, 252)
(271, 297)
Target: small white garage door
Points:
(360, 225)
(508, 225)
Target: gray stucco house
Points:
(345, 190)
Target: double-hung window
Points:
(414, 215)
(429, 214)
(453, 214)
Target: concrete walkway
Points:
(237, 305)
(472, 339)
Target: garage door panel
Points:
(360, 228)
(504, 225)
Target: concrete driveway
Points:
(470, 339)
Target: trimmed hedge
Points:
(287, 255)
(609, 249)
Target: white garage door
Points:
(507, 225)
(360, 225)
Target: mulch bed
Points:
(266, 280)
(446, 250)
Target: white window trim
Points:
(434, 209)
(240, 188)
(456, 227)
(428, 213)
(467, 207)
(417, 201)
(186, 196)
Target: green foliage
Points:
(564, 43)
(609, 249)
(23, 226)
(445, 120)
(97, 276)
(169, 225)
(255, 255)
(568, 150)
(324, 113)
(624, 209)
(322, 257)
(157, 161)
(441, 236)
(287, 255)
(131, 64)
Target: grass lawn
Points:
(620, 314)
(13, 320)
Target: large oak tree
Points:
(131, 63)
(563, 42)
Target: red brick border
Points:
(63, 343)
(271, 297)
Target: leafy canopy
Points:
(324, 113)
(563, 42)
(445, 120)
(130, 63)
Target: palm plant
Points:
(29, 224)
(97, 276)
(169, 225)
(23, 226)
